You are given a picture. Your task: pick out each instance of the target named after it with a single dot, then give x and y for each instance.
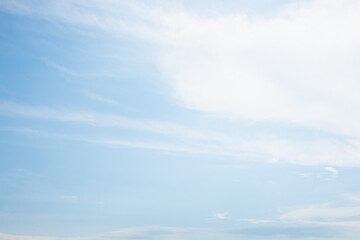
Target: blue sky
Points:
(179, 120)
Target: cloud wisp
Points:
(99, 98)
(332, 170)
(222, 216)
(145, 232)
(74, 73)
(322, 212)
(181, 138)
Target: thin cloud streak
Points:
(98, 98)
(73, 73)
(146, 232)
(222, 216)
(316, 152)
(321, 212)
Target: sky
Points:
(179, 120)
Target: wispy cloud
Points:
(60, 67)
(141, 144)
(145, 232)
(74, 73)
(99, 98)
(4, 236)
(332, 170)
(247, 67)
(255, 221)
(318, 230)
(323, 212)
(290, 232)
(102, 120)
(352, 197)
(222, 216)
(201, 140)
(152, 232)
(70, 197)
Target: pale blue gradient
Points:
(92, 141)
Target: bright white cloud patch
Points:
(222, 216)
(332, 170)
(299, 66)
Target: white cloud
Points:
(146, 232)
(150, 232)
(99, 98)
(193, 139)
(351, 224)
(332, 170)
(74, 73)
(222, 216)
(61, 68)
(141, 144)
(256, 221)
(352, 197)
(298, 66)
(4, 236)
(323, 212)
(70, 197)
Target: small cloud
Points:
(74, 73)
(70, 197)
(222, 216)
(322, 211)
(255, 221)
(291, 232)
(60, 68)
(98, 98)
(352, 197)
(329, 174)
(152, 232)
(332, 170)
(305, 174)
(273, 160)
